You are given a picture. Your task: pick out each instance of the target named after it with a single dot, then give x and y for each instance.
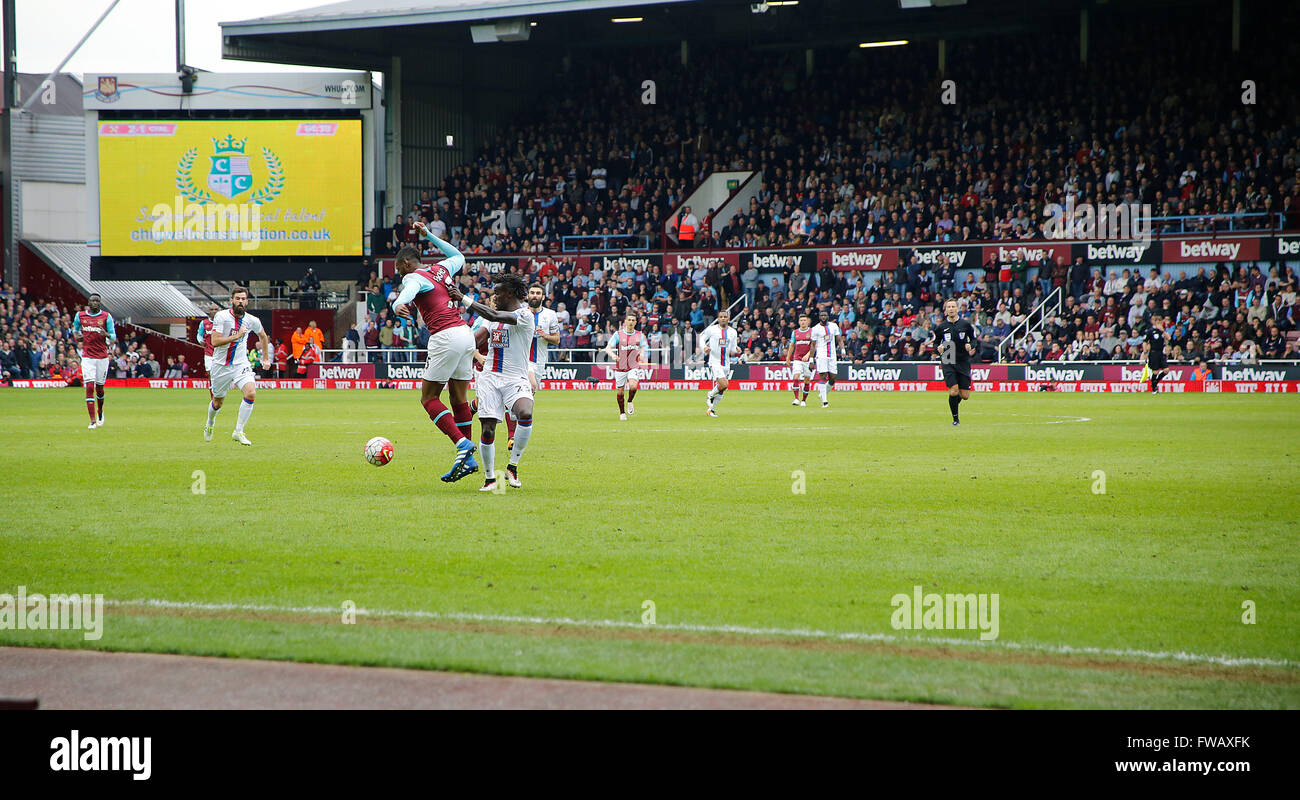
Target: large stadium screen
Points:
(244, 188)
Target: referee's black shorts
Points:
(1157, 363)
(957, 375)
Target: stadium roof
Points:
(353, 14)
(138, 301)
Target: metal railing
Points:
(1055, 297)
(1214, 223)
(604, 243)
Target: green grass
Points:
(697, 515)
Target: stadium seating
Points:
(859, 153)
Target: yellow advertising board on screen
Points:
(243, 188)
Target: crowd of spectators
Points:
(862, 152)
(36, 341)
(1214, 314)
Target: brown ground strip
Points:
(91, 679)
(1280, 676)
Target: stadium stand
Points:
(852, 155)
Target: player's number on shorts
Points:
(948, 352)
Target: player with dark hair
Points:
(799, 353)
(956, 343)
(827, 341)
(451, 344)
(503, 384)
(230, 331)
(1153, 351)
(628, 349)
(93, 329)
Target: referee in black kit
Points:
(1153, 350)
(956, 338)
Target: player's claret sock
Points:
(464, 418)
(90, 403)
(99, 395)
(442, 417)
(523, 430)
(510, 425)
(631, 394)
(953, 402)
(245, 411)
(622, 403)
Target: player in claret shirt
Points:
(451, 345)
(628, 349)
(799, 354)
(955, 338)
(93, 329)
(204, 337)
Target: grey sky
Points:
(139, 36)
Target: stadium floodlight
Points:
(783, 2)
(891, 43)
(627, 19)
(906, 4)
(510, 30)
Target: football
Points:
(379, 451)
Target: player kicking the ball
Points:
(503, 384)
(799, 353)
(719, 343)
(628, 349)
(93, 329)
(451, 344)
(826, 343)
(230, 331)
(956, 338)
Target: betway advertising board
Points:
(882, 371)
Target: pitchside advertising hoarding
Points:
(237, 187)
(962, 258)
(877, 371)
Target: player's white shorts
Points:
(207, 364)
(94, 370)
(224, 377)
(803, 370)
(451, 355)
(498, 393)
(621, 378)
(719, 372)
(825, 365)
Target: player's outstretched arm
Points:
(486, 312)
(455, 260)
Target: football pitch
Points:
(1142, 551)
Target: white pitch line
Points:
(801, 633)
